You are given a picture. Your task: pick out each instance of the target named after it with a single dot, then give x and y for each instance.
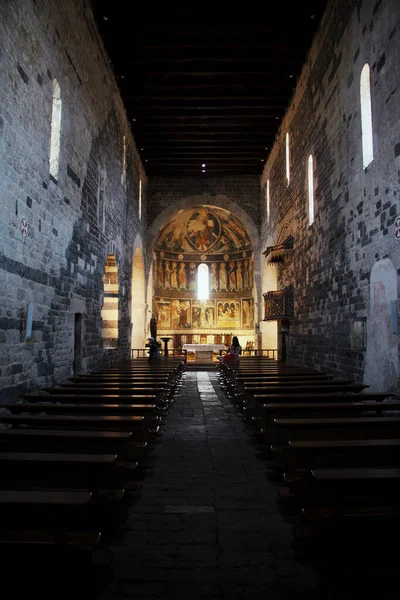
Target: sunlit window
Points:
(203, 282)
(310, 190)
(123, 174)
(140, 198)
(268, 200)
(287, 159)
(366, 116)
(55, 135)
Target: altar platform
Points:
(204, 352)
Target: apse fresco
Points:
(162, 310)
(195, 236)
(201, 230)
(225, 276)
(248, 313)
(205, 314)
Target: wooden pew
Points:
(345, 405)
(148, 411)
(92, 472)
(49, 517)
(333, 428)
(121, 443)
(307, 455)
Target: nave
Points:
(208, 523)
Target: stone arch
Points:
(217, 201)
(269, 329)
(382, 354)
(110, 308)
(138, 296)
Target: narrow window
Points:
(203, 283)
(101, 186)
(123, 174)
(55, 134)
(310, 190)
(268, 201)
(287, 159)
(140, 198)
(366, 117)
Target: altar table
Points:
(203, 352)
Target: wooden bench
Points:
(148, 411)
(112, 422)
(333, 429)
(121, 443)
(339, 487)
(350, 405)
(24, 512)
(88, 471)
(307, 455)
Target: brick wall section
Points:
(354, 209)
(164, 192)
(59, 265)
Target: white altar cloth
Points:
(204, 347)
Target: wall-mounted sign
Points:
(397, 228)
(24, 227)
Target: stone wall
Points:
(56, 232)
(355, 208)
(166, 192)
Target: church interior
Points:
(199, 316)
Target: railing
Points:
(144, 352)
(268, 352)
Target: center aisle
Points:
(207, 524)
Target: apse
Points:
(203, 272)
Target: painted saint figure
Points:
(232, 276)
(246, 275)
(160, 274)
(174, 276)
(239, 275)
(214, 278)
(223, 278)
(182, 276)
(192, 276)
(167, 283)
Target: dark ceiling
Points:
(205, 87)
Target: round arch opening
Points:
(138, 306)
(211, 236)
(110, 309)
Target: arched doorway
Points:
(192, 238)
(269, 329)
(110, 309)
(138, 307)
(382, 355)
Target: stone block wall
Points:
(166, 192)
(355, 208)
(56, 232)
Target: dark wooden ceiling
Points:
(202, 86)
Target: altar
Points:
(204, 352)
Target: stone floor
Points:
(207, 523)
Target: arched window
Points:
(268, 200)
(55, 134)
(310, 190)
(203, 282)
(140, 198)
(123, 174)
(366, 116)
(287, 159)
